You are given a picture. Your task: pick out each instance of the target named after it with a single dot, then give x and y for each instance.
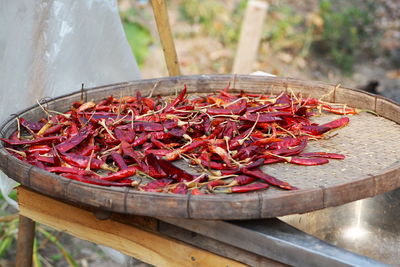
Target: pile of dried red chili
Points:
(133, 140)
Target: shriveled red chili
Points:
(225, 136)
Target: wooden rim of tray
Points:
(240, 206)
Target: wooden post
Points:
(250, 36)
(164, 31)
(26, 235)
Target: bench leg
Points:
(26, 235)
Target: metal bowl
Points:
(370, 227)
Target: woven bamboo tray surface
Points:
(370, 143)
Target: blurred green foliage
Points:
(8, 237)
(138, 35)
(8, 232)
(283, 29)
(342, 32)
(12, 195)
(139, 39)
(348, 33)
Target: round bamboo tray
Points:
(370, 143)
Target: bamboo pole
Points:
(164, 30)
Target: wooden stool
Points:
(136, 236)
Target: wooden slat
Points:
(145, 246)
(250, 36)
(388, 109)
(167, 42)
(217, 247)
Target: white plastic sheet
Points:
(49, 48)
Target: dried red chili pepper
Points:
(257, 173)
(214, 183)
(152, 167)
(175, 154)
(45, 159)
(174, 172)
(14, 136)
(222, 133)
(85, 106)
(87, 151)
(181, 188)
(31, 126)
(307, 161)
(322, 155)
(261, 117)
(60, 169)
(254, 164)
(91, 180)
(53, 129)
(222, 153)
(119, 160)
(285, 142)
(227, 111)
(259, 108)
(177, 132)
(247, 152)
(156, 185)
(130, 171)
(158, 143)
(176, 101)
(243, 188)
(83, 161)
(341, 110)
(266, 141)
(75, 140)
(125, 135)
(273, 160)
(41, 149)
(323, 128)
(140, 140)
(144, 126)
(337, 123)
(242, 180)
(315, 129)
(127, 150)
(285, 151)
(157, 152)
(40, 140)
(214, 165)
(196, 191)
(301, 111)
(38, 164)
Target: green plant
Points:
(8, 231)
(53, 239)
(138, 35)
(139, 39)
(283, 29)
(8, 236)
(346, 33)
